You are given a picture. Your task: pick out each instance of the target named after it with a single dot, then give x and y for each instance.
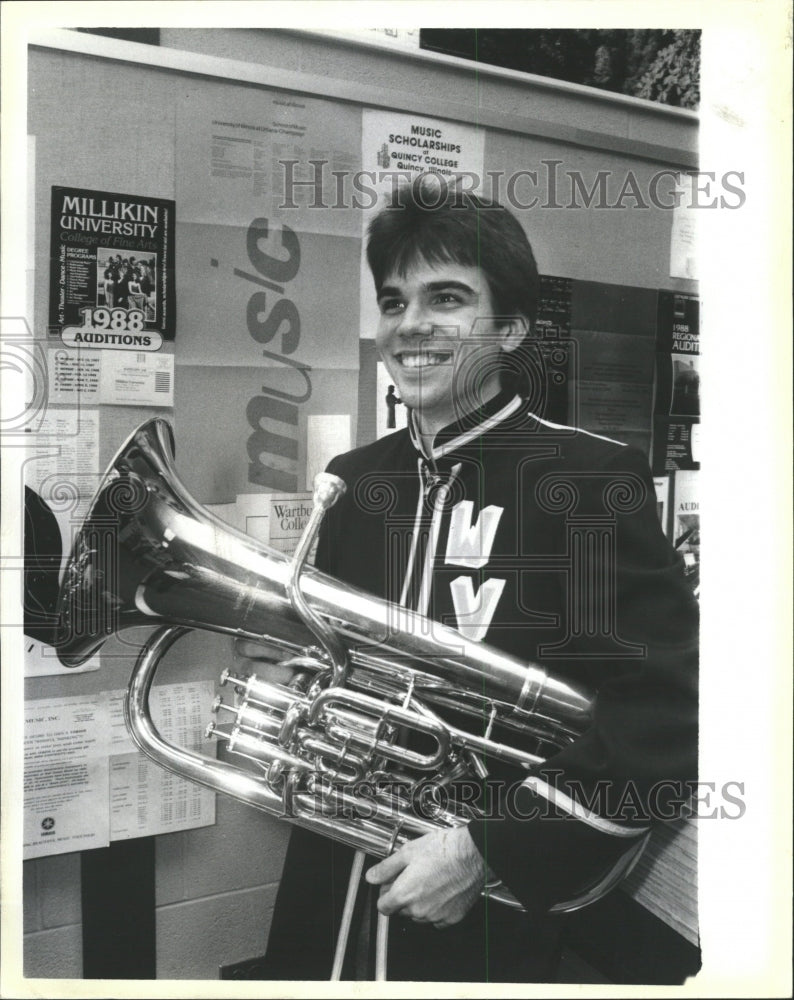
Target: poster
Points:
(614, 387)
(137, 379)
(66, 775)
(554, 306)
(144, 799)
(73, 375)
(684, 229)
(111, 269)
(675, 444)
(686, 524)
(63, 461)
(269, 254)
(661, 485)
(678, 355)
(288, 515)
(268, 154)
(87, 784)
(676, 424)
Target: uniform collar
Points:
(468, 427)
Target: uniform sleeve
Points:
(563, 829)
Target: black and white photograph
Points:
(362, 388)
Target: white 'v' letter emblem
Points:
(475, 611)
(470, 544)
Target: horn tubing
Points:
(327, 490)
(214, 774)
(226, 779)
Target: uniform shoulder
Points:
(370, 456)
(586, 453)
(588, 449)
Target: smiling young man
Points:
(541, 540)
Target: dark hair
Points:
(432, 219)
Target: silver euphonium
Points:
(328, 751)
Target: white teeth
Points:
(426, 360)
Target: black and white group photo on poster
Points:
(127, 283)
(370, 381)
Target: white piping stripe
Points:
(141, 605)
(573, 808)
(507, 410)
(486, 425)
(579, 430)
(415, 539)
(432, 543)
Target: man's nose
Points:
(415, 321)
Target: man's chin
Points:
(417, 400)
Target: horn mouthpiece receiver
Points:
(327, 489)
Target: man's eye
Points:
(446, 298)
(391, 306)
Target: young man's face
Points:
(432, 320)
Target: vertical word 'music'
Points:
(271, 316)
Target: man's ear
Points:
(512, 333)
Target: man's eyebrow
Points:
(391, 291)
(461, 286)
(431, 286)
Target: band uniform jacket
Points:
(543, 541)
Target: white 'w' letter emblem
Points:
(470, 544)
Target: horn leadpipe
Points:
(327, 490)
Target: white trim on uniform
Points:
(415, 538)
(578, 811)
(463, 439)
(577, 430)
(440, 499)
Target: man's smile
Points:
(423, 359)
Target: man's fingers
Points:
(259, 658)
(248, 650)
(390, 903)
(395, 899)
(388, 869)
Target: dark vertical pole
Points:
(118, 911)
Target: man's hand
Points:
(435, 879)
(256, 658)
